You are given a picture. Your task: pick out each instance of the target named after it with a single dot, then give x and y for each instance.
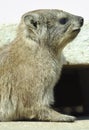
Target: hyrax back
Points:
(31, 65)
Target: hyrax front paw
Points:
(66, 118)
(51, 115)
(58, 117)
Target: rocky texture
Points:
(77, 125)
(77, 52)
(7, 33)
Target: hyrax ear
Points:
(31, 20)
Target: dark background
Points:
(72, 91)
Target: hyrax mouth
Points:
(76, 30)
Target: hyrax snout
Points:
(31, 65)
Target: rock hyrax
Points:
(31, 65)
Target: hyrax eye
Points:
(63, 21)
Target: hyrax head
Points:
(52, 28)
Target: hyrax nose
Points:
(81, 21)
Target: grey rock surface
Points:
(77, 52)
(77, 125)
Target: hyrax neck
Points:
(32, 48)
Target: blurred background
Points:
(11, 10)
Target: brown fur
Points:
(31, 65)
